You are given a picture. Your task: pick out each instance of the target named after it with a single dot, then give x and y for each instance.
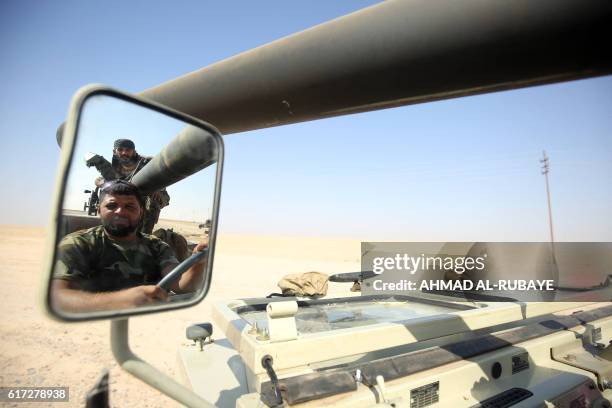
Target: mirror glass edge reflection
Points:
(70, 141)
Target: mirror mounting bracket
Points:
(146, 372)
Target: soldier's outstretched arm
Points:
(102, 165)
(67, 296)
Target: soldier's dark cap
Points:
(125, 143)
(121, 187)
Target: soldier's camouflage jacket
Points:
(99, 264)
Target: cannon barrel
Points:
(189, 152)
(397, 53)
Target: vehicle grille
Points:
(505, 399)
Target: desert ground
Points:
(37, 351)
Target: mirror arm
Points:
(146, 372)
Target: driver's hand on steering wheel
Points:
(143, 295)
(200, 247)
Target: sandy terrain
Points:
(36, 351)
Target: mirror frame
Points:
(68, 142)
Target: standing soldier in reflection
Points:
(125, 164)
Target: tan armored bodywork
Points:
(461, 383)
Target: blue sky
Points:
(461, 169)
(104, 119)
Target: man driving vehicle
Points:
(114, 266)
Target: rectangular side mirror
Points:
(134, 246)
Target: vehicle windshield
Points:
(343, 313)
(523, 166)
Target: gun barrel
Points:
(397, 53)
(189, 152)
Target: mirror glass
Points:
(137, 211)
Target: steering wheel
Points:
(180, 269)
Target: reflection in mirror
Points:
(137, 209)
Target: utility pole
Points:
(545, 170)
(553, 267)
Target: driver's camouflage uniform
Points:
(99, 264)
